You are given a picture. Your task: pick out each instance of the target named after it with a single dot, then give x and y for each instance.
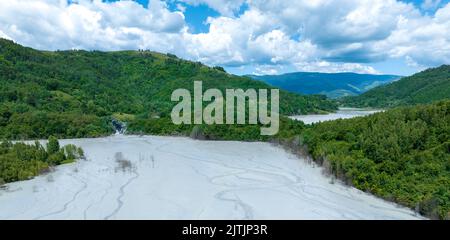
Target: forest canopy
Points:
(402, 155)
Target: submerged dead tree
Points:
(123, 164)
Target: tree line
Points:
(401, 155)
(22, 161)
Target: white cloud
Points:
(345, 29)
(265, 70)
(410, 62)
(328, 67)
(54, 24)
(424, 41)
(3, 35)
(430, 4)
(249, 39)
(320, 35)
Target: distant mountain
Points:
(333, 85)
(424, 87)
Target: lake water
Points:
(181, 178)
(342, 113)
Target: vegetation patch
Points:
(21, 161)
(401, 155)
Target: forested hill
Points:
(402, 155)
(76, 93)
(424, 87)
(334, 85)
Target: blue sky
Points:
(196, 17)
(419, 4)
(246, 37)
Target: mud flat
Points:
(149, 177)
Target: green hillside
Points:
(424, 87)
(76, 93)
(402, 155)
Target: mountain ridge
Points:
(333, 85)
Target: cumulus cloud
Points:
(56, 24)
(246, 40)
(345, 29)
(424, 41)
(321, 35)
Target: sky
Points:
(246, 36)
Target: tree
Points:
(219, 68)
(52, 145)
(56, 158)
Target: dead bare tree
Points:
(124, 165)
